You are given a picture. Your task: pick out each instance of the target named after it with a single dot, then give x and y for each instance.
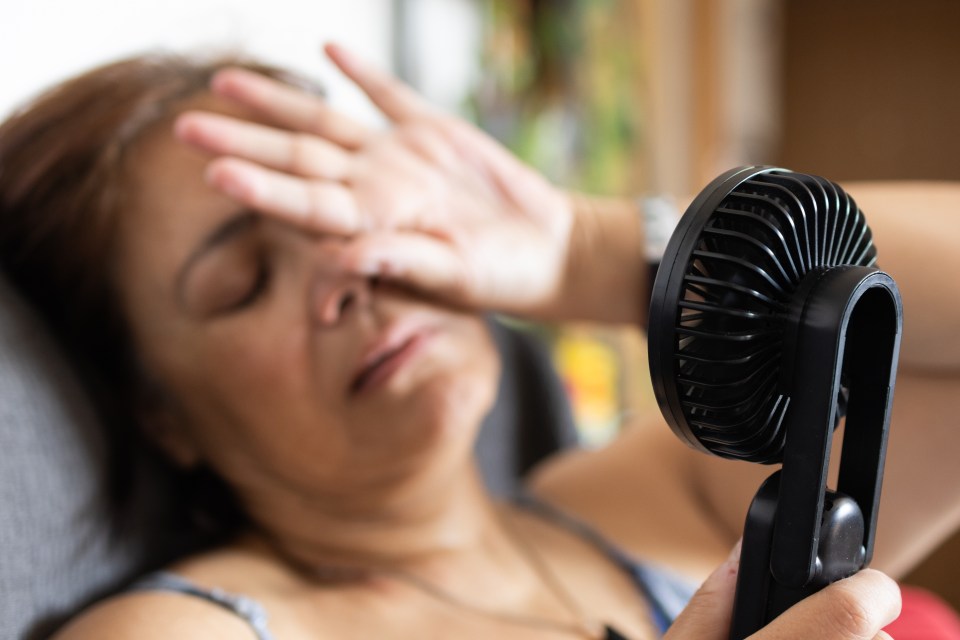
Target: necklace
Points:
(584, 626)
(556, 587)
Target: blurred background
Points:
(623, 97)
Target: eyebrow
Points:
(228, 230)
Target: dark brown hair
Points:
(63, 185)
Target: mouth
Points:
(388, 356)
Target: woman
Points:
(293, 294)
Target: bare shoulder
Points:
(238, 568)
(641, 491)
(155, 615)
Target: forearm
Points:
(916, 228)
(606, 277)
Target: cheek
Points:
(477, 363)
(254, 395)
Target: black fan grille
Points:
(748, 261)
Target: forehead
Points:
(169, 208)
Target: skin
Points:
(435, 207)
(240, 355)
(394, 241)
(255, 381)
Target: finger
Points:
(512, 178)
(855, 608)
(412, 259)
(289, 106)
(396, 100)
(316, 206)
(708, 615)
(426, 142)
(297, 153)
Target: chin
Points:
(458, 406)
(446, 426)
(432, 416)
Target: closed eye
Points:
(230, 279)
(258, 286)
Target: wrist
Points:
(605, 274)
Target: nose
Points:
(332, 293)
(336, 296)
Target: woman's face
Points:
(277, 370)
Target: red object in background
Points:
(924, 617)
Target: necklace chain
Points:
(580, 628)
(583, 626)
(536, 561)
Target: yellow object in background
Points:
(590, 369)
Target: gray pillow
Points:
(56, 551)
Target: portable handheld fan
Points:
(768, 322)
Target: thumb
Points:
(708, 615)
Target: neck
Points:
(452, 543)
(434, 531)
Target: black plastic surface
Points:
(768, 320)
(722, 297)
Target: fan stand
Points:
(800, 536)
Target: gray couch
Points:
(59, 548)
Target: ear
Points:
(166, 427)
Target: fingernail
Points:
(368, 267)
(181, 127)
(234, 190)
(229, 185)
(363, 263)
(221, 81)
(735, 552)
(344, 57)
(727, 571)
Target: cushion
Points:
(56, 550)
(924, 616)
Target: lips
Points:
(388, 355)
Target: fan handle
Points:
(799, 537)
